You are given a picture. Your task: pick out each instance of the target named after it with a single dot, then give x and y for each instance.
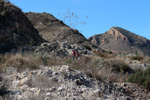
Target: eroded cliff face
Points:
(117, 39)
(16, 30)
(111, 33)
(117, 34)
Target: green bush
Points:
(141, 77)
(120, 66)
(87, 47)
(137, 57)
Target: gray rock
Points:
(72, 85)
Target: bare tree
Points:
(70, 18)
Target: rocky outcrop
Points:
(62, 49)
(117, 35)
(135, 91)
(16, 30)
(135, 64)
(120, 40)
(53, 83)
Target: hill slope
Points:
(52, 29)
(16, 30)
(120, 40)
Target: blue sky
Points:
(133, 15)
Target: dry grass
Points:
(137, 57)
(95, 67)
(28, 60)
(100, 68)
(104, 54)
(19, 61)
(146, 60)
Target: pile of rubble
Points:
(61, 49)
(61, 83)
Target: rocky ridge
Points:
(54, 30)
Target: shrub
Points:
(104, 54)
(98, 68)
(19, 61)
(146, 60)
(87, 65)
(28, 60)
(141, 77)
(61, 22)
(87, 47)
(137, 57)
(118, 66)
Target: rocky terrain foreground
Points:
(61, 83)
(64, 83)
(97, 78)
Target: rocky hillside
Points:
(120, 40)
(61, 50)
(16, 30)
(53, 83)
(36, 76)
(54, 30)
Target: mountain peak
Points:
(118, 35)
(121, 40)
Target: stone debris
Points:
(135, 64)
(62, 49)
(61, 83)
